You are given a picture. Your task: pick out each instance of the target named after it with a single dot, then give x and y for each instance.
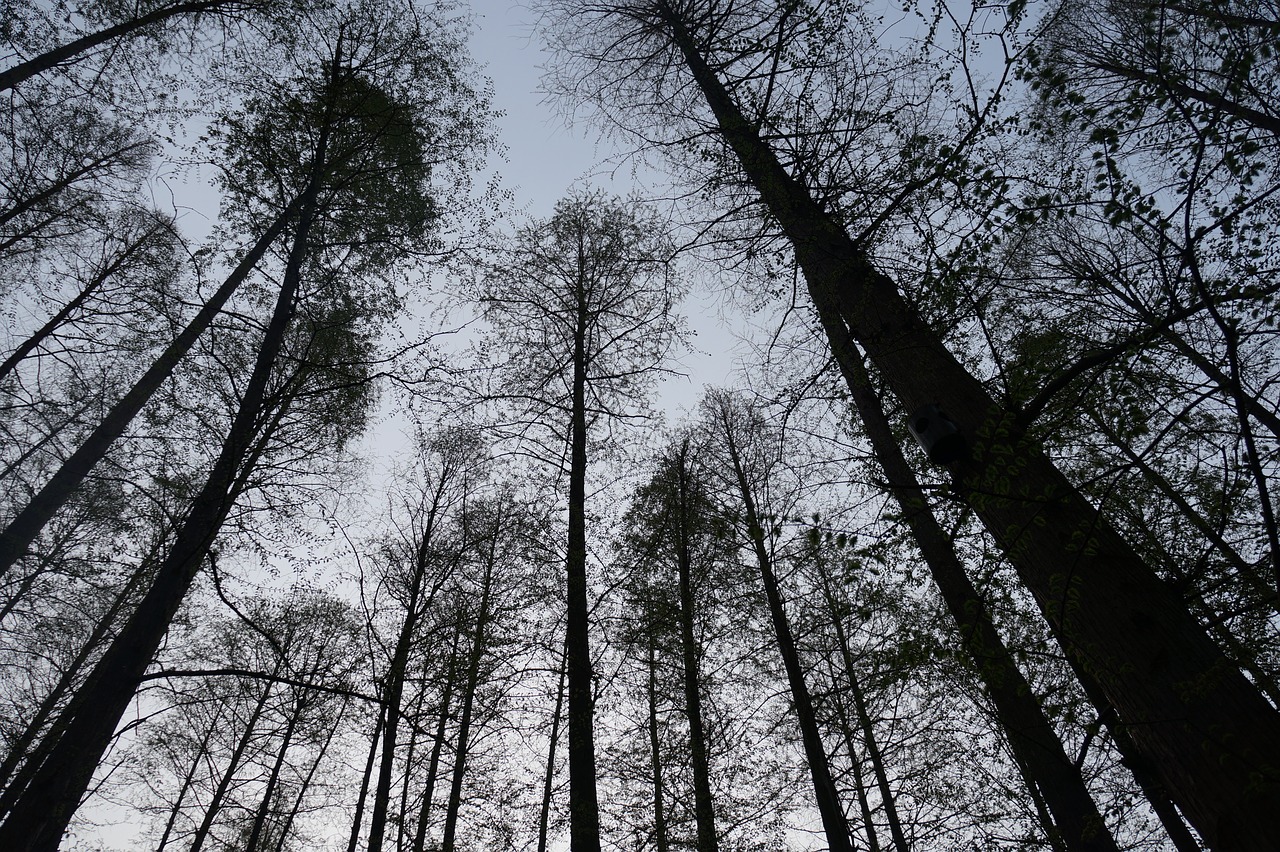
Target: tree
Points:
(1125, 627)
(746, 462)
(360, 143)
(583, 303)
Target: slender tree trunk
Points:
(290, 817)
(544, 815)
(358, 818)
(864, 718)
(188, 780)
(833, 820)
(855, 763)
(1211, 736)
(233, 763)
(655, 753)
(264, 807)
(402, 823)
(468, 701)
(64, 54)
(64, 313)
(584, 812)
(437, 746)
(704, 809)
(399, 667)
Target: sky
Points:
(545, 159)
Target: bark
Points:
(584, 811)
(1213, 739)
(66, 53)
(824, 789)
(704, 810)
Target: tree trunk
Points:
(264, 807)
(28, 523)
(855, 763)
(1211, 736)
(704, 809)
(864, 718)
(188, 780)
(584, 812)
(544, 815)
(433, 764)
(1031, 736)
(64, 313)
(354, 840)
(655, 752)
(233, 763)
(824, 789)
(468, 701)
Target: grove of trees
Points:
(348, 518)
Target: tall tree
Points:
(350, 142)
(1107, 607)
(583, 303)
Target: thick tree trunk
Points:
(1210, 735)
(584, 811)
(834, 823)
(1031, 736)
(703, 808)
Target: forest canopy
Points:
(354, 518)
